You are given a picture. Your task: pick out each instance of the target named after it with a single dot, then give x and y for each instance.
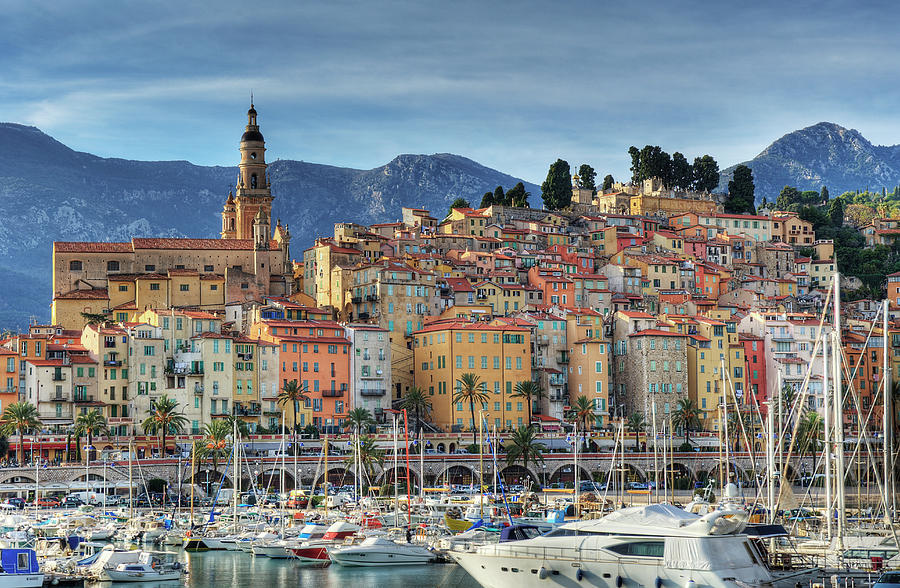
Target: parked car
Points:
(15, 501)
(72, 502)
(49, 502)
(638, 486)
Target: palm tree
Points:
(524, 445)
(686, 416)
(242, 426)
(636, 424)
(531, 392)
(359, 418)
(809, 432)
(89, 424)
(292, 393)
(416, 401)
(215, 441)
(368, 452)
(470, 388)
(163, 420)
(582, 410)
(19, 418)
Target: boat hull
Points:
(312, 556)
(366, 558)
(21, 580)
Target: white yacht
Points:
(380, 551)
(655, 545)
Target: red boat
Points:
(315, 552)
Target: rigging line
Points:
(804, 390)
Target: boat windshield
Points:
(571, 533)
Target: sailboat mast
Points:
(838, 406)
(887, 419)
(826, 410)
(655, 462)
(770, 459)
(237, 473)
(725, 424)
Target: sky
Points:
(512, 85)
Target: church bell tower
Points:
(252, 193)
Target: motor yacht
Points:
(653, 545)
(150, 567)
(380, 551)
(315, 551)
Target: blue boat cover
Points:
(9, 559)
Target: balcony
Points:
(563, 358)
(332, 393)
(81, 398)
(198, 388)
(356, 299)
(558, 396)
(372, 298)
(373, 392)
(248, 356)
(363, 316)
(112, 363)
(59, 398)
(58, 377)
(245, 411)
(219, 412)
(372, 376)
(276, 413)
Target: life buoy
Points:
(187, 533)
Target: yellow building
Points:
(650, 204)
(588, 361)
(497, 351)
(502, 298)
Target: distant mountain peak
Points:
(823, 154)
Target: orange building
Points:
(9, 377)
(557, 288)
(317, 355)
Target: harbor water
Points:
(218, 569)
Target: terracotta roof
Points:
(220, 244)
(97, 294)
(656, 333)
(90, 247)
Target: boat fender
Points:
(542, 573)
(690, 584)
(658, 582)
(619, 581)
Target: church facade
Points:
(251, 259)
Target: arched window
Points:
(252, 181)
(232, 224)
(112, 266)
(75, 266)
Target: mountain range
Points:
(49, 192)
(824, 154)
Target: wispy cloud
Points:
(511, 84)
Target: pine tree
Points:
(740, 192)
(608, 182)
(517, 196)
(500, 196)
(824, 194)
(487, 200)
(556, 191)
(588, 177)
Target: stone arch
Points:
(387, 477)
(337, 475)
(737, 473)
(209, 480)
(517, 474)
(18, 479)
(457, 474)
(565, 474)
(271, 479)
(679, 476)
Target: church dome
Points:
(252, 136)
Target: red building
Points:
(755, 354)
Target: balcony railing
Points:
(112, 363)
(356, 299)
(372, 298)
(332, 393)
(373, 392)
(245, 411)
(246, 356)
(84, 398)
(59, 398)
(58, 377)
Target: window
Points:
(75, 266)
(184, 287)
(639, 548)
(154, 286)
(112, 266)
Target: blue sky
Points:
(513, 85)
